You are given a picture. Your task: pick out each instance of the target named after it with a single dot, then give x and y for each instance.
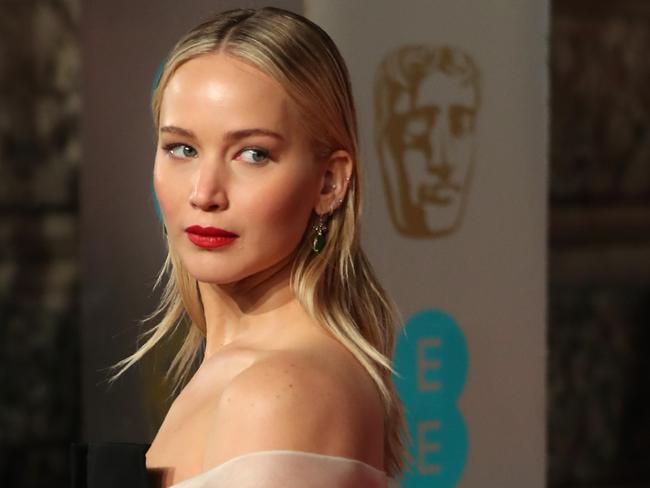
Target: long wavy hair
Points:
(337, 286)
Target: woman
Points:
(258, 181)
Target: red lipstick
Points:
(209, 237)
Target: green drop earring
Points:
(319, 239)
(318, 243)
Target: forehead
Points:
(440, 89)
(225, 92)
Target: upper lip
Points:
(209, 231)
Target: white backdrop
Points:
(488, 273)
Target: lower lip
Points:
(210, 242)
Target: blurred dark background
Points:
(40, 161)
(599, 255)
(599, 241)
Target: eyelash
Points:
(168, 148)
(266, 154)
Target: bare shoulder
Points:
(318, 400)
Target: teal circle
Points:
(431, 360)
(156, 77)
(156, 204)
(154, 84)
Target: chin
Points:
(208, 268)
(227, 265)
(441, 219)
(214, 275)
(222, 271)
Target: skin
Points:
(271, 377)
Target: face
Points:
(234, 173)
(430, 144)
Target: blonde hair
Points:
(337, 286)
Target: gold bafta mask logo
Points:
(426, 104)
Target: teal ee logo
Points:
(154, 84)
(156, 205)
(431, 359)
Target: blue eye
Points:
(255, 155)
(181, 150)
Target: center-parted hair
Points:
(337, 286)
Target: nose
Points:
(209, 188)
(438, 161)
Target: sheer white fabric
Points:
(288, 469)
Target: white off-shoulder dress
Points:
(289, 469)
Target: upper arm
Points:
(285, 403)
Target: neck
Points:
(247, 308)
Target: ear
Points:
(334, 182)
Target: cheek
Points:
(168, 191)
(461, 157)
(286, 207)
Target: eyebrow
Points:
(229, 136)
(172, 129)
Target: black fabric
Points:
(109, 465)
